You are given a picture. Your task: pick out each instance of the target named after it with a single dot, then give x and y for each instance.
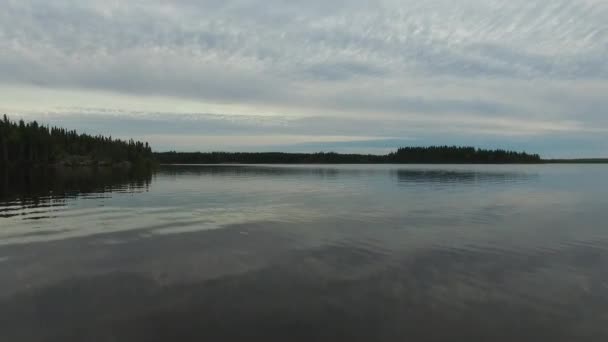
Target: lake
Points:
(306, 253)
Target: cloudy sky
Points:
(341, 75)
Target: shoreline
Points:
(547, 162)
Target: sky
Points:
(316, 75)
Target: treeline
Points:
(31, 143)
(455, 154)
(264, 158)
(577, 161)
(430, 155)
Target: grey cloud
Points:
(388, 134)
(405, 35)
(140, 124)
(407, 104)
(365, 57)
(343, 71)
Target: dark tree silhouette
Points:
(31, 143)
(455, 154)
(432, 155)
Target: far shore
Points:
(543, 162)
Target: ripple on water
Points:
(501, 253)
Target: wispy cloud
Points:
(533, 68)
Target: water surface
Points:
(306, 253)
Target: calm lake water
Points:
(306, 253)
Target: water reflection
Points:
(34, 191)
(308, 295)
(413, 174)
(306, 253)
(255, 170)
(460, 177)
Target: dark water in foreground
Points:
(306, 253)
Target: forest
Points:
(405, 155)
(33, 144)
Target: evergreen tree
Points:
(32, 143)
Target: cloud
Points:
(394, 68)
(343, 71)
